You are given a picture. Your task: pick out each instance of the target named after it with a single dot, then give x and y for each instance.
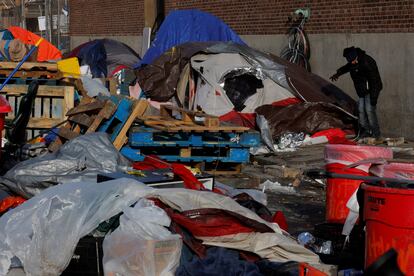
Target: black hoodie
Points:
(365, 75)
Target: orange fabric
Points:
(308, 270)
(46, 50)
(10, 202)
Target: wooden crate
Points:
(51, 105)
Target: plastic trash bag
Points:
(77, 160)
(43, 232)
(142, 245)
(94, 87)
(265, 132)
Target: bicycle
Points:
(298, 49)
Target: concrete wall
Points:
(133, 41)
(394, 53)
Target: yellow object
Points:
(69, 67)
(195, 171)
(38, 42)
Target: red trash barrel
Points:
(4, 109)
(389, 217)
(338, 191)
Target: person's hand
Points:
(334, 77)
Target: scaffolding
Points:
(47, 18)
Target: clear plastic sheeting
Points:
(44, 231)
(79, 159)
(349, 154)
(94, 87)
(257, 59)
(142, 245)
(265, 132)
(290, 140)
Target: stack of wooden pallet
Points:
(54, 98)
(195, 138)
(113, 116)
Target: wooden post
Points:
(150, 12)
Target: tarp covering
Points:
(104, 56)
(303, 117)
(159, 80)
(46, 50)
(188, 26)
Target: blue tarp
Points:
(188, 26)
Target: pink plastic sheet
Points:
(349, 154)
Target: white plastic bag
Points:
(142, 245)
(44, 231)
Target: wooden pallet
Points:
(45, 66)
(189, 154)
(150, 137)
(114, 117)
(50, 107)
(166, 121)
(84, 118)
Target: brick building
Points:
(384, 28)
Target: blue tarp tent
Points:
(188, 26)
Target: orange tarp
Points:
(46, 50)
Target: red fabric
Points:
(210, 224)
(4, 105)
(152, 162)
(10, 202)
(46, 50)
(334, 136)
(190, 181)
(241, 119)
(308, 270)
(286, 102)
(280, 219)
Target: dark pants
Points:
(368, 117)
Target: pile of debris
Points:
(125, 162)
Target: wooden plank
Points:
(69, 99)
(138, 110)
(182, 110)
(67, 133)
(43, 122)
(79, 86)
(86, 108)
(43, 91)
(37, 108)
(174, 126)
(46, 107)
(82, 119)
(29, 65)
(31, 74)
(57, 107)
(105, 113)
(185, 152)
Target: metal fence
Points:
(47, 18)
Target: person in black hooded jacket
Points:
(367, 81)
